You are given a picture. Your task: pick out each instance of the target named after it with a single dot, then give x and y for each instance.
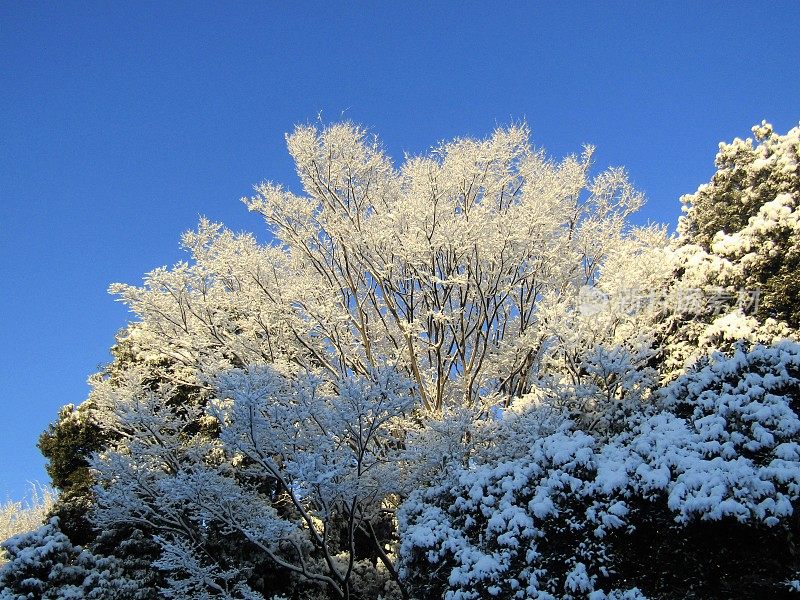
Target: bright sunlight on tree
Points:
(464, 376)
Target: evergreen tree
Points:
(738, 251)
(748, 215)
(67, 444)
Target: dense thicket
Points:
(466, 376)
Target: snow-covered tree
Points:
(739, 246)
(67, 445)
(746, 217)
(276, 399)
(438, 266)
(301, 471)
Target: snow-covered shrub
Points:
(697, 497)
(20, 517)
(604, 385)
(529, 527)
(44, 564)
(744, 434)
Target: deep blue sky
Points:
(121, 123)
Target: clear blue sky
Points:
(121, 123)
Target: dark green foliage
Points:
(703, 560)
(67, 445)
(135, 552)
(780, 288)
(755, 195)
(747, 177)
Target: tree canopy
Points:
(463, 376)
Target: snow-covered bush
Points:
(517, 529)
(700, 493)
(18, 517)
(44, 564)
(744, 412)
